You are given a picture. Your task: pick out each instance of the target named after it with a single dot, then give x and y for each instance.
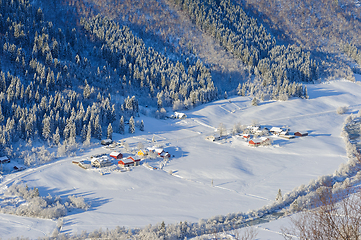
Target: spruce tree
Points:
(110, 131)
(86, 92)
(46, 128)
(97, 128)
(56, 137)
(83, 133)
(88, 135)
(131, 125)
(141, 126)
(121, 125)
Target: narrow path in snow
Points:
(22, 225)
(15, 177)
(223, 188)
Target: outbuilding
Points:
(157, 150)
(141, 153)
(136, 161)
(4, 159)
(254, 142)
(126, 162)
(179, 115)
(258, 142)
(246, 136)
(106, 141)
(301, 134)
(129, 161)
(276, 130)
(116, 155)
(165, 155)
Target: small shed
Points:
(246, 136)
(4, 159)
(126, 162)
(301, 134)
(129, 161)
(213, 138)
(258, 142)
(106, 142)
(179, 115)
(116, 155)
(254, 142)
(157, 150)
(286, 136)
(276, 130)
(253, 128)
(141, 153)
(165, 155)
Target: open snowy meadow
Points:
(202, 178)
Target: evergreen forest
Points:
(66, 82)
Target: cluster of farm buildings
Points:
(257, 136)
(5, 160)
(117, 158)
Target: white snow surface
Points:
(209, 178)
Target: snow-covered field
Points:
(209, 178)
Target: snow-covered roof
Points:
(276, 129)
(255, 141)
(155, 149)
(100, 159)
(4, 158)
(127, 160)
(114, 153)
(179, 115)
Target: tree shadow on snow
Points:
(317, 92)
(64, 194)
(311, 133)
(281, 142)
(176, 152)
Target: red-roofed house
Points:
(116, 155)
(129, 161)
(165, 154)
(301, 134)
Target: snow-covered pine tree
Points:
(141, 126)
(97, 128)
(254, 101)
(56, 137)
(83, 133)
(279, 197)
(131, 125)
(110, 131)
(46, 127)
(121, 125)
(88, 135)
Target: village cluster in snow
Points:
(121, 162)
(256, 135)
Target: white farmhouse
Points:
(100, 161)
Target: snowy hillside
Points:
(202, 178)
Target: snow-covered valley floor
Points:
(208, 178)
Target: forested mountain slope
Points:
(328, 28)
(57, 83)
(71, 70)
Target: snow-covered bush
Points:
(78, 202)
(161, 114)
(178, 105)
(31, 204)
(341, 110)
